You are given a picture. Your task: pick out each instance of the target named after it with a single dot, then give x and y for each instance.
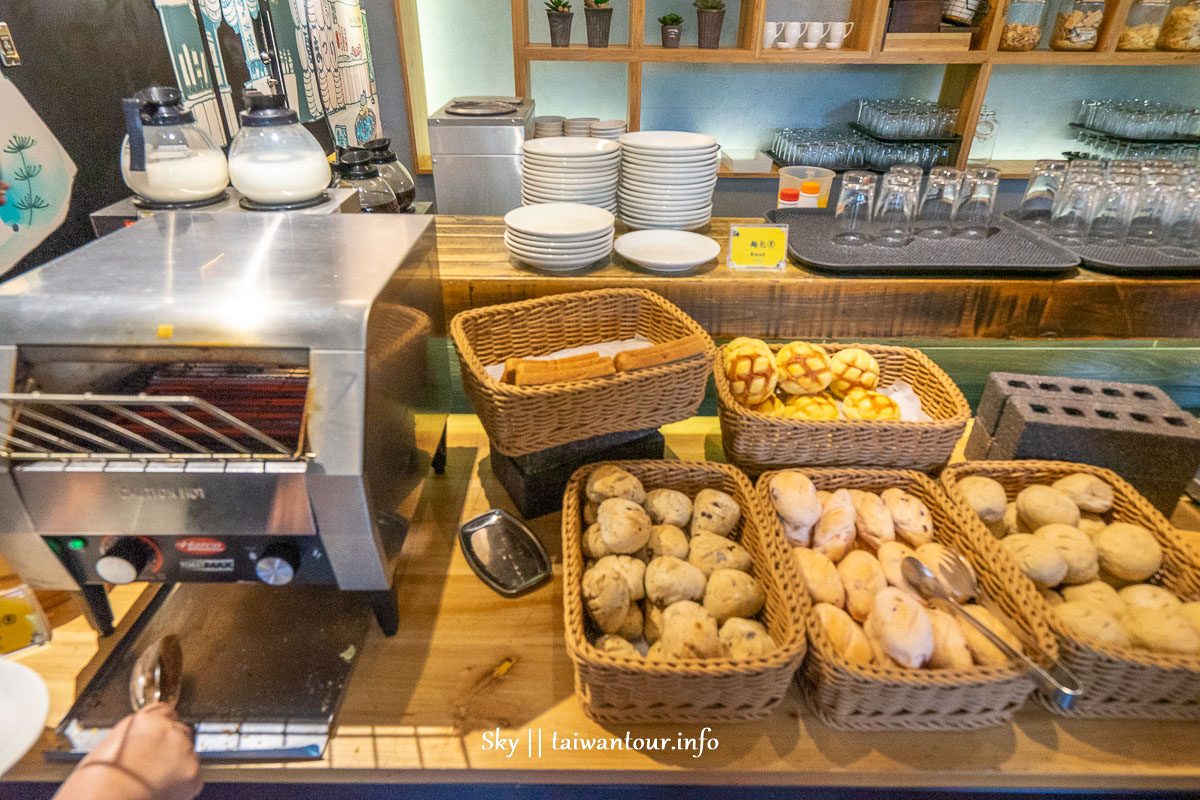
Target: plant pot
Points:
(599, 20)
(708, 34)
(560, 27)
(671, 34)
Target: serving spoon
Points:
(956, 579)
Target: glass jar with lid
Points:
(1143, 24)
(1023, 25)
(1181, 28)
(274, 162)
(357, 172)
(392, 171)
(1077, 25)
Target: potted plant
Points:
(598, 15)
(710, 14)
(672, 29)
(559, 14)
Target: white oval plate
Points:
(643, 210)
(670, 156)
(585, 199)
(680, 179)
(570, 146)
(542, 260)
(628, 184)
(24, 705)
(666, 193)
(559, 220)
(600, 185)
(668, 140)
(543, 246)
(667, 251)
(559, 177)
(551, 256)
(673, 226)
(654, 216)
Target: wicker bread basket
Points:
(1117, 681)
(524, 419)
(758, 442)
(616, 689)
(849, 696)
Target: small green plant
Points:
(558, 5)
(596, 3)
(670, 19)
(710, 5)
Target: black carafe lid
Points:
(380, 150)
(267, 110)
(162, 105)
(356, 165)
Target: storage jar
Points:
(1077, 25)
(1181, 28)
(1023, 25)
(1142, 25)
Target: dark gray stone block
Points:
(1004, 385)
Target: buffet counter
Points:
(476, 270)
(469, 672)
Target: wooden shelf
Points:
(579, 52)
(1013, 168)
(1151, 58)
(724, 172)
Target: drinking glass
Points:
(973, 214)
(854, 208)
(894, 211)
(1183, 234)
(1115, 202)
(1152, 216)
(1074, 207)
(937, 203)
(1044, 181)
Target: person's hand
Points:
(4, 187)
(147, 756)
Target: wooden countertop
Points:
(421, 703)
(476, 271)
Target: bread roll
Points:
(593, 543)
(652, 623)
(668, 507)
(803, 368)
(1146, 595)
(624, 525)
(872, 521)
(1098, 593)
(1088, 491)
(1129, 552)
(1091, 524)
(733, 593)
(670, 580)
(590, 512)
(633, 625)
(1038, 559)
(834, 533)
(616, 646)
(655, 653)
(1191, 612)
(1161, 631)
(745, 638)
(689, 631)
(666, 540)
(862, 577)
(608, 481)
(950, 649)
(852, 368)
(879, 655)
(844, 634)
(716, 512)
(797, 536)
(1042, 505)
(1089, 620)
(606, 597)
(795, 500)
(982, 650)
(985, 496)
(821, 577)
(708, 552)
(1076, 548)
(631, 569)
(1011, 522)
(891, 555)
(902, 626)
(1052, 597)
(910, 517)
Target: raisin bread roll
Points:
(844, 634)
(611, 481)
(716, 512)
(606, 597)
(733, 593)
(950, 649)
(872, 521)
(624, 525)
(891, 555)
(745, 638)
(708, 552)
(689, 631)
(821, 576)
(666, 540)
(834, 533)
(795, 500)
(670, 580)
(901, 625)
(668, 507)
(862, 578)
(910, 516)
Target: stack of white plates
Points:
(571, 170)
(609, 129)
(667, 179)
(544, 127)
(579, 126)
(559, 236)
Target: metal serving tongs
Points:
(157, 677)
(954, 584)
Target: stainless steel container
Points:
(220, 397)
(476, 145)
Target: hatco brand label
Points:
(197, 546)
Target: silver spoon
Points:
(1059, 685)
(157, 677)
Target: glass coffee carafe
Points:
(392, 171)
(274, 162)
(357, 172)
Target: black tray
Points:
(1116, 137)
(950, 138)
(1131, 260)
(1011, 251)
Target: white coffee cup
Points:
(838, 31)
(816, 32)
(792, 31)
(771, 32)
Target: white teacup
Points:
(838, 31)
(816, 32)
(771, 32)
(792, 31)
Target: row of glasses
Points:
(831, 148)
(1139, 119)
(1108, 148)
(906, 118)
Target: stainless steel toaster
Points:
(221, 398)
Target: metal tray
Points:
(1011, 251)
(504, 553)
(1131, 260)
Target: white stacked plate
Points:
(564, 169)
(667, 179)
(579, 126)
(559, 236)
(609, 129)
(544, 127)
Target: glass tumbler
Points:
(894, 210)
(973, 213)
(1074, 207)
(937, 203)
(854, 206)
(1044, 181)
(1152, 215)
(1116, 199)
(1184, 230)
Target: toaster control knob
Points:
(122, 562)
(278, 564)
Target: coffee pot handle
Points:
(137, 136)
